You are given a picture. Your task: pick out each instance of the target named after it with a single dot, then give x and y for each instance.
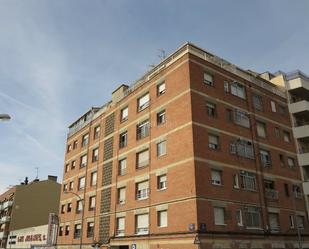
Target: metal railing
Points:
(142, 194)
(271, 194)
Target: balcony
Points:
(297, 82)
(5, 219)
(301, 131)
(299, 107)
(3, 235)
(303, 159)
(7, 204)
(271, 194)
(306, 188)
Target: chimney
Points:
(119, 93)
(52, 178)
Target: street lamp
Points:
(5, 117)
(82, 223)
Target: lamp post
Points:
(82, 223)
(5, 117)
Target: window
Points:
(122, 167)
(162, 182)
(85, 140)
(216, 177)
(69, 148)
(143, 102)
(90, 229)
(123, 139)
(277, 132)
(62, 209)
(67, 167)
(161, 89)
(77, 231)
(281, 159)
(239, 218)
(270, 191)
(213, 141)
(257, 102)
(248, 181)
(91, 203)
(142, 223)
(79, 206)
(291, 162)
(124, 114)
(300, 221)
(219, 216)
(226, 86)
(60, 230)
(286, 189)
(282, 109)
(297, 191)
(162, 218)
(273, 106)
(67, 230)
(208, 79)
(122, 195)
(142, 159)
(161, 117)
(142, 130)
(265, 158)
(71, 185)
(286, 136)
(261, 129)
(81, 183)
(229, 115)
(65, 187)
(95, 155)
(93, 178)
(291, 220)
(75, 144)
(238, 90)
(69, 207)
(73, 164)
(274, 222)
(142, 190)
(96, 133)
(161, 148)
(242, 118)
(242, 148)
(120, 226)
(83, 161)
(253, 217)
(235, 181)
(211, 109)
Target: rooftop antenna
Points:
(162, 54)
(37, 173)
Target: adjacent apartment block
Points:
(25, 210)
(198, 153)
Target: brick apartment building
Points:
(196, 154)
(24, 211)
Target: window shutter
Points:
(142, 221)
(143, 185)
(143, 157)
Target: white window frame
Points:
(161, 148)
(219, 221)
(162, 218)
(143, 102)
(239, 218)
(124, 114)
(216, 177)
(162, 182)
(208, 79)
(161, 88)
(238, 90)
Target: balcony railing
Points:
(271, 194)
(5, 219)
(120, 232)
(142, 133)
(143, 164)
(7, 204)
(142, 194)
(142, 230)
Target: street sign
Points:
(197, 240)
(133, 246)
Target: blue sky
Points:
(59, 58)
